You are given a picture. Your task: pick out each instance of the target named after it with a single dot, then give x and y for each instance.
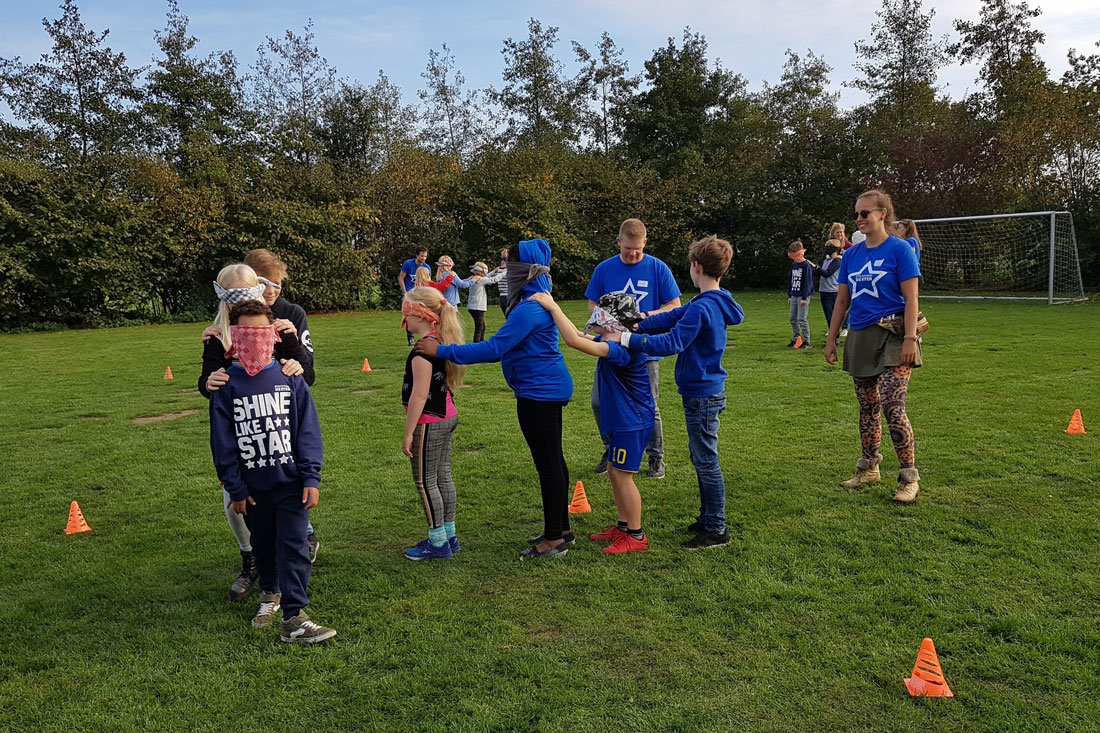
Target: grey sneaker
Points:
(246, 581)
(601, 467)
(656, 468)
(269, 606)
(314, 545)
(300, 630)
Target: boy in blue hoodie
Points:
(527, 348)
(266, 443)
(800, 286)
(697, 332)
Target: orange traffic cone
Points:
(798, 342)
(927, 679)
(76, 520)
(366, 366)
(580, 504)
(1076, 424)
(168, 373)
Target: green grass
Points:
(808, 621)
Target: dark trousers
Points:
(540, 423)
(504, 305)
(828, 302)
(479, 325)
(278, 521)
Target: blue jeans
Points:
(701, 417)
(828, 302)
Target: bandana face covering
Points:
(232, 296)
(518, 275)
(252, 346)
(602, 318)
(797, 256)
(409, 308)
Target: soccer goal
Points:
(1029, 256)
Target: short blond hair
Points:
(714, 255)
(266, 264)
(632, 229)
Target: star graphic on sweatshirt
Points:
(262, 462)
(283, 459)
(249, 464)
(639, 295)
(864, 281)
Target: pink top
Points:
(452, 411)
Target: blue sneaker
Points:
(453, 542)
(425, 550)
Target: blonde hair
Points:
(882, 201)
(237, 275)
(449, 328)
(482, 265)
(837, 225)
(835, 243)
(266, 264)
(444, 260)
(632, 229)
(423, 277)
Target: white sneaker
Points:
(300, 630)
(269, 606)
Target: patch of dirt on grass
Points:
(162, 418)
(365, 391)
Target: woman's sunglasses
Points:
(864, 213)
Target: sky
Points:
(362, 37)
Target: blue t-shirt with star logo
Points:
(650, 281)
(874, 276)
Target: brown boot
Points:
(908, 488)
(866, 473)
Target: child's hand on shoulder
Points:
(545, 300)
(211, 331)
(282, 325)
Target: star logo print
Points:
(639, 295)
(864, 281)
(249, 464)
(262, 462)
(283, 459)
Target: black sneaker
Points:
(568, 539)
(792, 343)
(708, 539)
(246, 581)
(601, 467)
(314, 545)
(656, 468)
(805, 345)
(696, 527)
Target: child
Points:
(628, 409)
(697, 331)
(266, 443)
(499, 277)
(271, 271)
(407, 279)
(427, 393)
(424, 280)
(800, 286)
(237, 283)
(828, 271)
(527, 348)
(477, 300)
(444, 271)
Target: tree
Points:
(540, 106)
(451, 122)
(900, 63)
(1003, 40)
(363, 127)
(292, 82)
(608, 89)
(82, 95)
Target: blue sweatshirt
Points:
(264, 432)
(622, 381)
(697, 332)
(527, 344)
(800, 280)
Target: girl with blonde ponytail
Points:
(427, 393)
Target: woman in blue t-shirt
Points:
(877, 290)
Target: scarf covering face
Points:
(232, 296)
(797, 256)
(531, 274)
(409, 308)
(252, 346)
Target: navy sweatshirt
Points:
(213, 358)
(800, 280)
(296, 314)
(264, 433)
(697, 332)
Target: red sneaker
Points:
(609, 533)
(626, 543)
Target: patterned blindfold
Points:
(232, 296)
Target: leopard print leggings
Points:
(885, 393)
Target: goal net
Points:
(1013, 256)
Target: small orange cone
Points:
(76, 520)
(580, 504)
(168, 373)
(366, 366)
(927, 679)
(798, 342)
(1076, 424)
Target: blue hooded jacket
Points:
(697, 332)
(527, 344)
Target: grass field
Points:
(807, 622)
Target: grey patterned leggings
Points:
(431, 467)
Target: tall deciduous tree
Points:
(608, 87)
(82, 94)
(452, 124)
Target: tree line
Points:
(123, 190)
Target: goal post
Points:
(1028, 256)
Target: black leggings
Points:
(504, 306)
(540, 423)
(479, 325)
